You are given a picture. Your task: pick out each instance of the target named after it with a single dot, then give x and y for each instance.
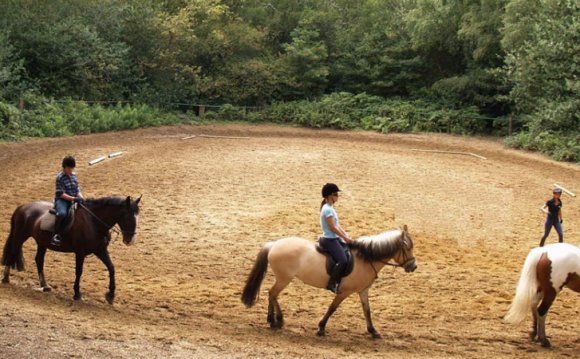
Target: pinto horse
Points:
(547, 270)
(88, 234)
(297, 257)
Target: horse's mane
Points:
(108, 201)
(378, 247)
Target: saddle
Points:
(48, 220)
(330, 262)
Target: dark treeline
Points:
(470, 59)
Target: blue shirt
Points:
(66, 184)
(325, 212)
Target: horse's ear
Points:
(138, 200)
(128, 201)
(405, 229)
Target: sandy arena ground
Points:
(210, 203)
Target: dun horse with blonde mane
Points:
(297, 257)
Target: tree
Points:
(12, 75)
(372, 50)
(305, 60)
(542, 60)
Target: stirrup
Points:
(56, 240)
(334, 288)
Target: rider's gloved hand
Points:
(79, 200)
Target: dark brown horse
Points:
(88, 234)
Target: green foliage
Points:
(306, 60)
(561, 146)
(347, 111)
(43, 118)
(227, 112)
(12, 79)
(437, 64)
(542, 60)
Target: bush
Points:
(347, 111)
(227, 112)
(42, 118)
(561, 146)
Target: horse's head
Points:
(129, 219)
(405, 257)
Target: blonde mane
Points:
(379, 246)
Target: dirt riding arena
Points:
(210, 203)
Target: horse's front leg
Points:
(106, 259)
(80, 260)
(333, 306)
(364, 299)
(39, 259)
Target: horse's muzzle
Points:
(129, 239)
(410, 266)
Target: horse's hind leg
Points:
(534, 307)
(275, 316)
(39, 259)
(549, 296)
(6, 277)
(271, 313)
(544, 274)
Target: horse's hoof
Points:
(46, 289)
(376, 335)
(5, 281)
(77, 297)
(110, 298)
(321, 333)
(276, 325)
(546, 343)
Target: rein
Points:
(387, 263)
(109, 227)
(395, 265)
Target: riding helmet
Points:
(329, 189)
(69, 161)
(557, 190)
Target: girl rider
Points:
(334, 238)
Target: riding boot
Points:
(57, 238)
(542, 241)
(335, 277)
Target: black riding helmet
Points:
(329, 189)
(69, 161)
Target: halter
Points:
(408, 259)
(109, 227)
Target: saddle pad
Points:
(47, 222)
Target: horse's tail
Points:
(527, 289)
(256, 276)
(12, 255)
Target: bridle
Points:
(107, 226)
(406, 258)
